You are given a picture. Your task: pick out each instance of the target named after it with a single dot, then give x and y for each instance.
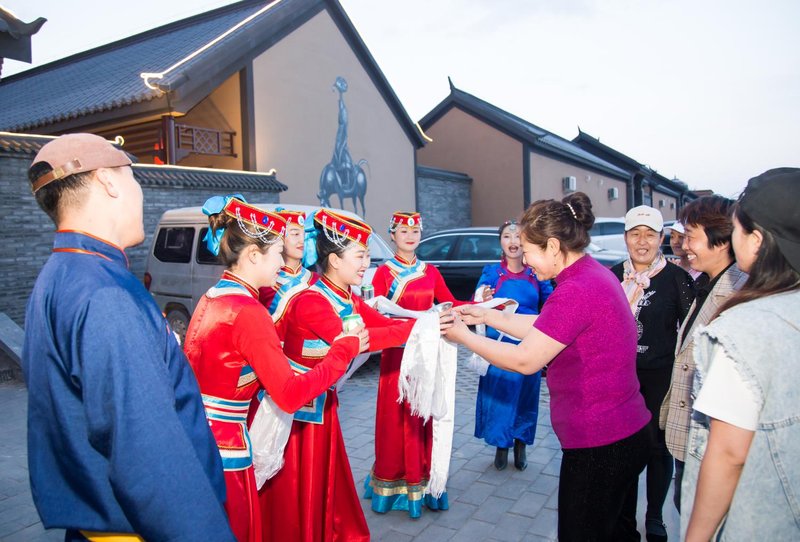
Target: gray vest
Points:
(763, 338)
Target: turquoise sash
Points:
(318, 348)
(403, 274)
(290, 285)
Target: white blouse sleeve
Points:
(725, 396)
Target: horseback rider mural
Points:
(341, 176)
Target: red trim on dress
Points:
(81, 251)
(345, 294)
(228, 275)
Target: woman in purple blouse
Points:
(588, 335)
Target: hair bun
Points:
(219, 220)
(580, 207)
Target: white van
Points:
(180, 269)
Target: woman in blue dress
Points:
(508, 403)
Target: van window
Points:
(203, 254)
(174, 245)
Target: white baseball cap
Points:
(644, 215)
(677, 226)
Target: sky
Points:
(707, 91)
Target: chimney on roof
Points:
(15, 37)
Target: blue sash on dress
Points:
(403, 274)
(290, 285)
(318, 348)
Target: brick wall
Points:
(28, 235)
(444, 199)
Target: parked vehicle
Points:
(609, 233)
(180, 269)
(460, 255)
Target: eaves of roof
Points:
(23, 144)
(588, 142)
(151, 175)
(107, 78)
(423, 171)
(672, 187)
(518, 128)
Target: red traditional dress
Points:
(233, 348)
(290, 283)
(402, 442)
(313, 497)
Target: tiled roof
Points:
(151, 175)
(108, 77)
(521, 129)
(22, 143)
(675, 186)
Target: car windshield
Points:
(378, 249)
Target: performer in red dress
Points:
(402, 442)
(313, 497)
(232, 346)
(293, 277)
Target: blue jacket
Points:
(117, 436)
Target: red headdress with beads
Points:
(248, 216)
(292, 217)
(399, 218)
(339, 228)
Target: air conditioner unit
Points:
(613, 193)
(570, 184)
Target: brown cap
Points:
(77, 153)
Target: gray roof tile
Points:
(108, 76)
(157, 175)
(520, 128)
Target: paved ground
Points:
(484, 504)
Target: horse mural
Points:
(341, 176)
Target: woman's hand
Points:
(457, 330)
(361, 334)
(488, 293)
(446, 320)
(472, 315)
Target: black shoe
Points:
(501, 458)
(520, 461)
(656, 530)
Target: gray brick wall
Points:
(444, 198)
(28, 237)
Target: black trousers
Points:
(593, 487)
(653, 384)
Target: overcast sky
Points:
(704, 90)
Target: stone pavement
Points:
(485, 504)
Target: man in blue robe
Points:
(118, 442)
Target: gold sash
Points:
(111, 537)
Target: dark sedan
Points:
(460, 255)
